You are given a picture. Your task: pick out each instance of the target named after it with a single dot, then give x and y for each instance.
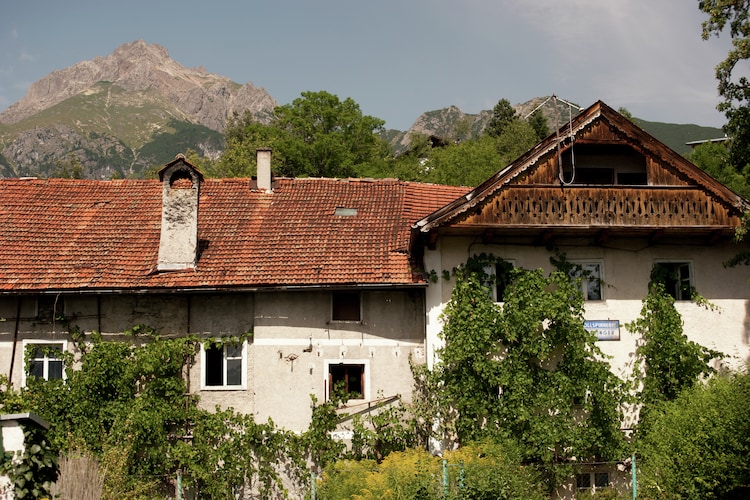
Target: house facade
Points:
(314, 275)
(619, 209)
(325, 281)
(611, 200)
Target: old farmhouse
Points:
(329, 277)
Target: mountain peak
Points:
(138, 67)
(139, 49)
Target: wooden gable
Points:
(598, 173)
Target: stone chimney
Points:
(178, 245)
(263, 156)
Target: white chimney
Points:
(263, 156)
(178, 245)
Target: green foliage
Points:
(486, 470)
(528, 372)
(382, 431)
(71, 168)
(503, 114)
(316, 135)
(31, 475)
(714, 159)
(733, 86)
(326, 137)
(538, 122)
(698, 445)
(128, 404)
(667, 362)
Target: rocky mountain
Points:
(121, 114)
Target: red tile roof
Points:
(62, 234)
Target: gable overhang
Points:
(719, 209)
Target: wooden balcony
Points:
(603, 206)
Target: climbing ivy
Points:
(666, 361)
(526, 370)
(32, 472)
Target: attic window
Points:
(345, 212)
(604, 164)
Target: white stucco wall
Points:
(626, 267)
(295, 341)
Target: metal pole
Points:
(633, 473)
(313, 483)
(445, 478)
(179, 485)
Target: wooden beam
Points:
(656, 236)
(602, 236)
(544, 238)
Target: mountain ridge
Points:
(123, 113)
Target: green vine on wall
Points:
(32, 472)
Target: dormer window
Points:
(604, 164)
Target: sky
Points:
(396, 58)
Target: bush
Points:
(698, 446)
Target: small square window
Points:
(44, 360)
(346, 306)
(49, 307)
(592, 481)
(601, 479)
(500, 275)
(590, 276)
(583, 481)
(224, 366)
(349, 378)
(676, 278)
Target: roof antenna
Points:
(561, 174)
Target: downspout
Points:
(15, 342)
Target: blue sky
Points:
(396, 58)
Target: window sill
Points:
(223, 388)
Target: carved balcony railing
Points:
(653, 206)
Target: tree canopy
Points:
(733, 86)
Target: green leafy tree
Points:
(733, 87)
(323, 136)
(538, 122)
(503, 114)
(713, 158)
(243, 136)
(70, 168)
(470, 163)
(698, 445)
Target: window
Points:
(604, 164)
(346, 306)
(585, 481)
(349, 377)
(45, 360)
(500, 276)
(590, 276)
(223, 366)
(676, 278)
(49, 307)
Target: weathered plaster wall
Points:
(625, 272)
(295, 341)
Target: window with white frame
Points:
(223, 366)
(44, 360)
(349, 377)
(592, 481)
(346, 306)
(500, 276)
(676, 278)
(589, 275)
